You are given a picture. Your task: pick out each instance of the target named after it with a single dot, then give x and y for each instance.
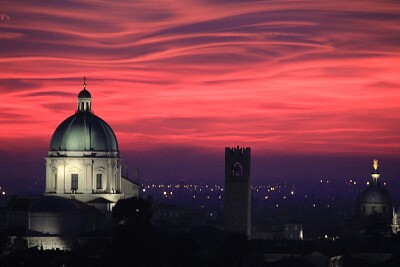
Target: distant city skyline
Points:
(312, 87)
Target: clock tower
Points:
(237, 190)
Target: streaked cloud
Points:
(282, 76)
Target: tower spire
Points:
(84, 82)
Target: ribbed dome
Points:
(375, 194)
(84, 131)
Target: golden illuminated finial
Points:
(375, 165)
(84, 82)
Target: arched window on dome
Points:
(82, 106)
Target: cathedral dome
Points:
(84, 131)
(375, 194)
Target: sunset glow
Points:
(286, 77)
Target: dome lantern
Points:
(375, 174)
(84, 99)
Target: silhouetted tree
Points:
(133, 211)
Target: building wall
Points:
(13, 219)
(129, 188)
(62, 223)
(60, 169)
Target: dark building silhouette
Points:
(237, 190)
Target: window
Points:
(55, 181)
(74, 181)
(98, 181)
(237, 169)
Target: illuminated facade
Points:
(237, 190)
(83, 161)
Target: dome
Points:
(84, 94)
(53, 204)
(84, 131)
(375, 194)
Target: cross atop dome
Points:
(84, 99)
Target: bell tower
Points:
(237, 190)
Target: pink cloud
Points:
(281, 77)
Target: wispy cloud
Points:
(278, 75)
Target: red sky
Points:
(284, 77)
